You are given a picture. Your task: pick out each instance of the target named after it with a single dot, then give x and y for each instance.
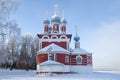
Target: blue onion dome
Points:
(46, 21)
(76, 38)
(63, 21)
(55, 18)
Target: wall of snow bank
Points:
(81, 69)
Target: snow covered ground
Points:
(31, 75)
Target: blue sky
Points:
(98, 24)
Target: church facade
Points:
(55, 55)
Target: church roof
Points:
(54, 48)
(63, 21)
(79, 51)
(50, 62)
(46, 21)
(55, 18)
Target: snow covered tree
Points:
(13, 48)
(7, 25)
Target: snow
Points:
(31, 75)
(80, 51)
(54, 48)
(50, 68)
(81, 69)
(47, 66)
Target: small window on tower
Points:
(67, 59)
(79, 60)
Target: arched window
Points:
(79, 60)
(67, 59)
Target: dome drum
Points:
(46, 29)
(63, 29)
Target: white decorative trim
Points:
(54, 36)
(65, 37)
(55, 52)
(53, 40)
(55, 23)
(45, 36)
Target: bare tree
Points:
(26, 49)
(29, 48)
(35, 48)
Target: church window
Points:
(51, 56)
(67, 59)
(79, 60)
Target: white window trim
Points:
(54, 36)
(63, 36)
(45, 36)
(52, 40)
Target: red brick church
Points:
(55, 55)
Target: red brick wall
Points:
(61, 58)
(89, 59)
(41, 58)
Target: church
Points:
(54, 55)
